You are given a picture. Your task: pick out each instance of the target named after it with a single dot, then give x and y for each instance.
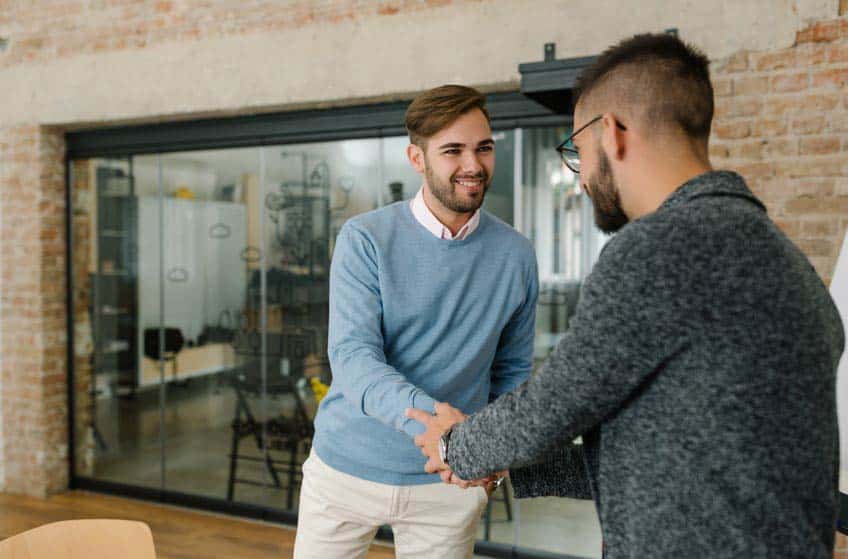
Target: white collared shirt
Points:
(426, 218)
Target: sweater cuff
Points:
(422, 401)
(562, 475)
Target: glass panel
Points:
(557, 217)
(500, 196)
(192, 292)
(114, 441)
(305, 194)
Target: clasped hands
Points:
(436, 425)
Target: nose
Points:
(470, 163)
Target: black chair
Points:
(173, 338)
(289, 430)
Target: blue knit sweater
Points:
(415, 319)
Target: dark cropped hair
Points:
(439, 107)
(659, 77)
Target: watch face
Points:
(443, 448)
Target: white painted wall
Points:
(375, 58)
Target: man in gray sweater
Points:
(700, 366)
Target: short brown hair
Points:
(439, 107)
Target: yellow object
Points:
(184, 193)
(319, 389)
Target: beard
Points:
(603, 191)
(445, 190)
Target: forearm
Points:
(378, 390)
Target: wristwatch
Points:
(444, 440)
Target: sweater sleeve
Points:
(355, 343)
(561, 473)
(622, 332)
(514, 357)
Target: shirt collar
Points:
(426, 218)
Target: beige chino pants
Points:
(339, 515)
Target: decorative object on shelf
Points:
(184, 193)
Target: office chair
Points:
(82, 539)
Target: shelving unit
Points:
(115, 281)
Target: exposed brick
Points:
(733, 130)
(722, 87)
(820, 145)
(811, 54)
(834, 78)
(817, 102)
(827, 166)
(745, 85)
(774, 60)
(31, 310)
(779, 147)
(737, 62)
(809, 124)
(796, 81)
(755, 171)
(823, 31)
(791, 227)
(750, 149)
(816, 247)
(837, 205)
(769, 126)
(837, 53)
(719, 151)
(814, 187)
(819, 228)
(738, 107)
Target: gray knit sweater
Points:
(700, 371)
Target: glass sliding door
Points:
(191, 299)
(200, 308)
(556, 215)
(114, 442)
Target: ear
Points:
(416, 158)
(614, 138)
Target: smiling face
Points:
(458, 163)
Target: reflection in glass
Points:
(557, 217)
(105, 290)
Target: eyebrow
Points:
(486, 142)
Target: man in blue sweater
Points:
(430, 300)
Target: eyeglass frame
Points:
(564, 152)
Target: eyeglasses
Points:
(570, 156)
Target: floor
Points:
(197, 443)
(177, 533)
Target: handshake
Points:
(436, 425)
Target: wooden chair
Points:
(82, 539)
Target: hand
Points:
(436, 425)
(493, 483)
(449, 477)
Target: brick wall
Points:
(782, 122)
(55, 30)
(32, 310)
